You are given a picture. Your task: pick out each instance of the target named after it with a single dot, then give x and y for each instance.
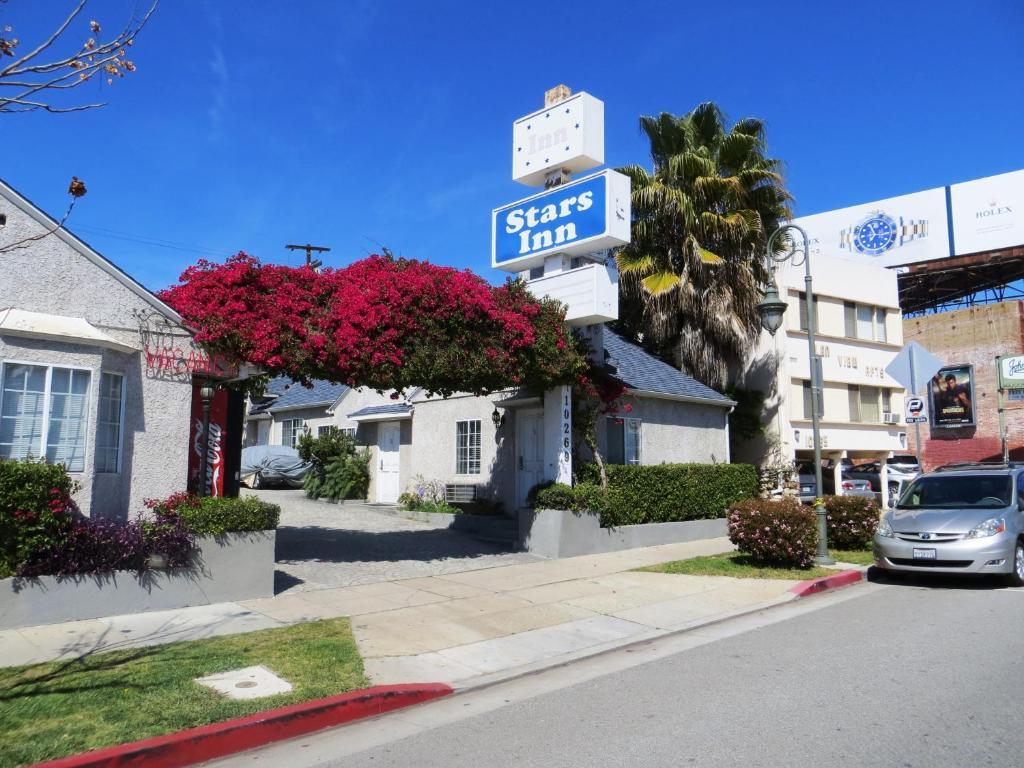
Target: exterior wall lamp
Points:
(771, 309)
(497, 418)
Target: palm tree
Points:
(691, 275)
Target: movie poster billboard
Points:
(952, 395)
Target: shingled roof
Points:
(642, 372)
(291, 395)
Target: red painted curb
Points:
(814, 586)
(208, 742)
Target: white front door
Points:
(388, 441)
(529, 453)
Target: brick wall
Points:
(974, 336)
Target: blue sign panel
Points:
(571, 218)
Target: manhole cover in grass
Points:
(246, 683)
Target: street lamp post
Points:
(771, 310)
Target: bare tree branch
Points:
(93, 58)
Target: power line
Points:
(152, 241)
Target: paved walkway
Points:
(455, 627)
(322, 545)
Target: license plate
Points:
(807, 488)
(924, 554)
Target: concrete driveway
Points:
(322, 545)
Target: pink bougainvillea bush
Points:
(777, 532)
(381, 322)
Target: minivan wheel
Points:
(1016, 577)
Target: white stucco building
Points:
(498, 447)
(859, 330)
(95, 371)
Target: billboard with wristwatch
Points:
(975, 216)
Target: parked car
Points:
(896, 473)
(848, 486)
(966, 518)
(265, 466)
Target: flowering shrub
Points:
(212, 515)
(381, 322)
(36, 509)
(777, 532)
(426, 496)
(851, 521)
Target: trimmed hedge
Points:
(660, 493)
(851, 521)
(215, 515)
(774, 531)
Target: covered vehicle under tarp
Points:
(268, 465)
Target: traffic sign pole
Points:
(917, 425)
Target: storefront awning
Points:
(40, 325)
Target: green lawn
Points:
(742, 566)
(737, 565)
(854, 556)
(60, 708)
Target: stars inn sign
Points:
(582, 217)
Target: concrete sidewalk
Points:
(458, 627)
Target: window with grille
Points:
(467, 447)
(43, 413)
(108, 423)
(291, 431)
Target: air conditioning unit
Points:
(460, 494)
(890, 418)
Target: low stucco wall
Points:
(236, 566)
(557, 533)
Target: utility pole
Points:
(309, 249)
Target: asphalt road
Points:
(903, 674)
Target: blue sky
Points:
(254, 123)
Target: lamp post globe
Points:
(771, 309)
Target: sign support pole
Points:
(1002, 428)
(918, 452)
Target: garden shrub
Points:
(851, 521)
(426, 496)
(339, 470)
(94, 546)
(664, 493)
(582, 497)
(774, 532)
(215, 515)
(549, 495)
(36, 510)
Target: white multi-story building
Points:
(859, 331)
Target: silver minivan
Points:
(962, 518)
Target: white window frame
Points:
(120, 425)
(296, 433)
(628, 424)
(468, 447)
(877, 322)
(47, 394)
